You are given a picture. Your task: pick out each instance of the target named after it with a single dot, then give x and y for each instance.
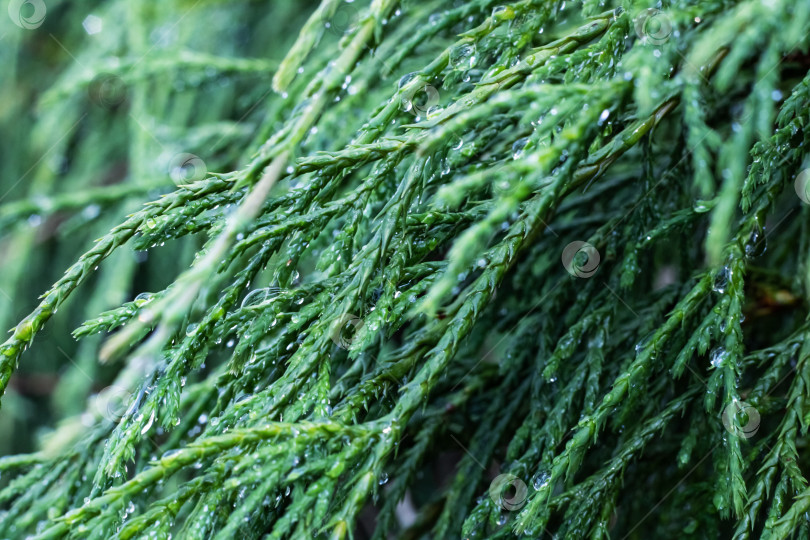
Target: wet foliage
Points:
(417, 269)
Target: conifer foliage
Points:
(410, 269)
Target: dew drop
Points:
(518, 147)
(721, 280)
(756, 244)
(541, 480)
(462, 57)
(718, 357)
(406, 79)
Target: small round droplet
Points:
(541, 480)
(462, 57)
(518, 147)
(721, 280)
(718, 357)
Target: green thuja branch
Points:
(405, 269)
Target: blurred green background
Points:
(102, 106)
